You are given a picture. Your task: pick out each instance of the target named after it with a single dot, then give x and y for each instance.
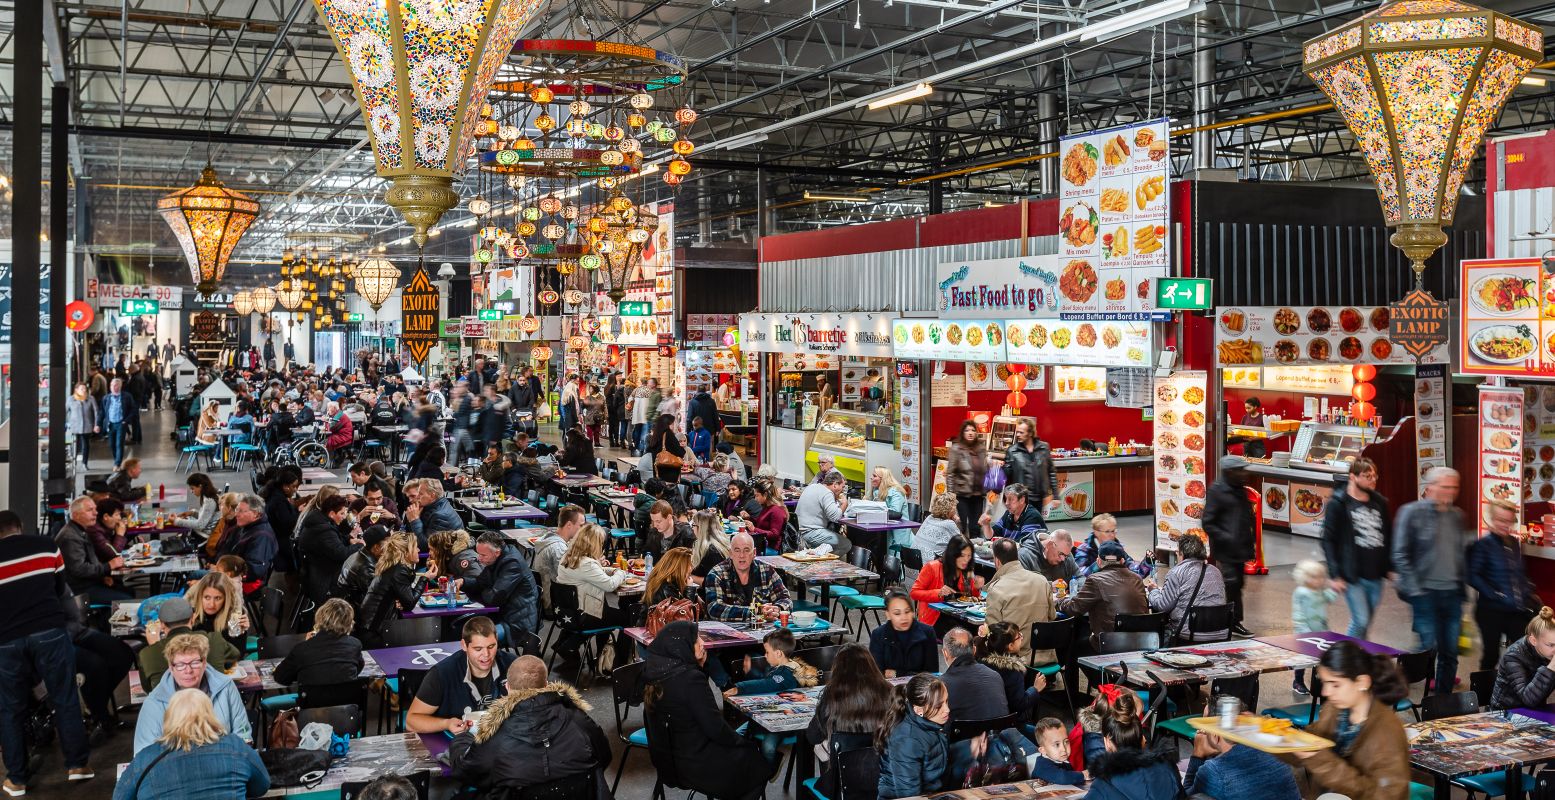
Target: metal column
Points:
(26, 223)
(763, 200)
(60, 270)
(1203, 97)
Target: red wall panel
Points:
(1058, 424)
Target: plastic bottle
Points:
(161, 491)
(647, 564)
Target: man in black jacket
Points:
(467, 681)
(121, 484)
(507, 583)
(323, 548)
(84, 571)
(1029, 462)
(357, 573)
(1357, 537)
(541, 733)
(1499, 575)
(1228, 521)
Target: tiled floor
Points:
(1267, 597)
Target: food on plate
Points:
(1111, 337)
(1016, 335)
(1549, 346)
(1286, 351)
(1078, 281)
(1501, 412)
(1085, 335)
(1504, 294)
(1194, 510)
(1425, 432)
(1167, 441)
(1547, 472)
(1114, 200)
(1233, 321)
(1149, 190)
(1500, 491)
(1163, 526)
(995, 337)
(1318, 349)
(1167, 417)
(900, 334)
(1194, 489)
(1077, 502)
(1350, 348)
(1381, 348)
(1167, 462)
(1546, 491)
(1193, 441)
(1079, 165)
(1135, 355)
(1500, 465)
(953, 334)
(1240, 351)
(1274, 498)
(1115, 151)
(1193, 419)
(1117, 289)
(1061, 338)
(1157, 150)
(1169, 508)
(1147, 239)
(1115, 245)
(1274, 726)
(1503, 344)
(1546, 453)
(1193, 465)
(1286, 321)
(1380, 317)
(1037, 336)
(1309, 502)
(1033, 372)
(917, 334)
(978, 372)
(1350, 320)
(1501, 440)
(1318, 320)
(1166, 393)
(1193, 395)
(935, 332)
(1079, 225)
(974, 335)
(1426, 409)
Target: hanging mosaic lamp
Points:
(208, 219)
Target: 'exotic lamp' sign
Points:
(1418, 323)
(418, 315)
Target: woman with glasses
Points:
(187, 669)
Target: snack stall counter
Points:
(844, 435)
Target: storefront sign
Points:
(138, 308)
(450, 328)
(1180, 445)
(1296, 335)
(1102, 344)
(205, 329)
(108, 295)
(1078, 384)
(1504, 330)
(861, 335)
(962, 340)
(1419, 323)
(473, 328)
(1500, 451)
(1431, 430)
(354, 317)
(1317, 379)
(1183, 294)
(1042, 287)
(419, 315)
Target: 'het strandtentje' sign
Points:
(418, 315)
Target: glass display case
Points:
(1001, 434)
(1329, 447)
(842, 432)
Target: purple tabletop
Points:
(418, 656)
(1542, 713)
(1316, 643)
(523, 511)
(877, 527)
(448, 611)
(437, 745)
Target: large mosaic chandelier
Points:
(1418, 83)
(208, 219)
(417, 66)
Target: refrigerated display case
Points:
(842, 435)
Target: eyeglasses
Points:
(1106, 530)
(187, 666)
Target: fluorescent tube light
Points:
(910, 93)
(1113, 27)
(1534, 80)
(837, 198)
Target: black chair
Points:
(1126, 642)
(1418, 668)
(568, 788)
(349, 693)
(963, 729)
(1058, 636)
(92, 615)
(1210, 619)
(272, 605)
(421, 780)
(626, 693)
(346, 720)
(1442, 706)
(525, 643)
(857, 770)
(404, 632)
(406, 683)
(661, 753)
(279, 646)
(821, 658)
(1155, 622)
(1483, 684)
(912, 558)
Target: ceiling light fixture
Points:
(836, 198)
(1113, 27)
(910, 93)
(1534, 80)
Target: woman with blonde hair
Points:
(205, 427)
(712, 544)
(885, 488)
(581, 569)
(394, 587)
(330, 654)
(217, 601)
(195, 758)
(452, 554)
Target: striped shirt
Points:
(30, 572)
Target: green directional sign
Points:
(353, 317)
(634, 308)
(490, 315)
(139, 307)
(1183, 294)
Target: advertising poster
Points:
(948, 391)
(1075, 493)
(910, 471)
(1307, 503)
(1129, 388)
(979, 377)
(1539, 450)
(418, 315)
(1431, 419)
(1114, 211)
(1297, 335)
(1077, 384)
(1179, 429)
(961, 340)
(1100, 343)
(1041, 287)
(1276, 501)
(1500, 450)
(1507, 308)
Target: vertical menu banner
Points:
(1181, 403)
(1430, 419)
(419, 315)
(1500, 451)
(1114, 214)
(909, 443)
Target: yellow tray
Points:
(1294, 740)
(804, 558)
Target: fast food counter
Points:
(1295, 486)
(1096, 484)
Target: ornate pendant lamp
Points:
(289, 294)
(243, 303)
(418, 66)
(263, 299)
(375, 281)
(208, 219)
(1418, 82)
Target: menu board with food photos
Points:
(960, 340)
(1431, 419)
(1501, 437)
(1296, 335)
(1076, 495)
(1508, 311)
(1539, 444)
(1308, 501)
(979, 377)
(1276, 501)
(909, 446)
(1114, 208)
(1101, 343)
(1180, 453)
(1076, 384)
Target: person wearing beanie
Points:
(357, 571)
(1228, 522)
(173, 618)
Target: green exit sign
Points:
(490, 315)
(353, 317)
(1183, 294)
(634, 308)
(139, 308)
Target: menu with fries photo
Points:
(1181, 411)
(1114, 211)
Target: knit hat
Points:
(373, 535)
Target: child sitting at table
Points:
(783, 673)
(1309, 606)
(236, 568)
(1052, 764)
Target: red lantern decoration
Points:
(1016, 381)
(1363, 392)
(1363, 372)
(1363, 411)
(1015, 400)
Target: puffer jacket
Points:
(1228, 520)
(531, 737)
(1523, 679)
(1134, 774)
(1495, 568)
(509, 584)
(1110, 591)
(323, 547)
(965, 467)
(914, 760)
(1032, 468)
(396, 588)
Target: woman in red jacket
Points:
(774, 515)
(946, 577)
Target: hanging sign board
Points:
(418, 315)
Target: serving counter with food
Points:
(1295, 485)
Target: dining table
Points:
(458, 609)
(319, 475)
(1019, 790)
(1217, 660)
(509, 515)
(823, 572)
(1475, 744)
(717, 635)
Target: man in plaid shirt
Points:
(740, 580)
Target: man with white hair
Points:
(85, 572)
(1507, 599)
(429, 510)
(1429, 539)
(742, 588)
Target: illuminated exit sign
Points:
(634, 308)
(1183, 294)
